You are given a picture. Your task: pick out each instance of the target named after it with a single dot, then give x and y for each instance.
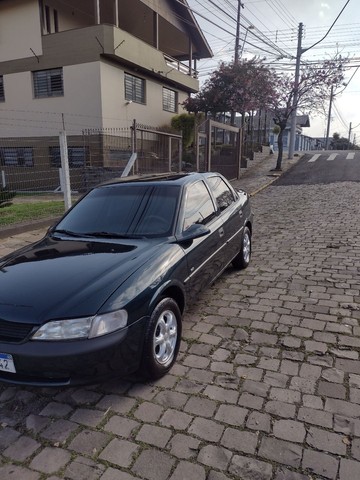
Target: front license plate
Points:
(7, 363)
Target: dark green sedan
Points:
(103, 293)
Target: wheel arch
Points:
(172, 290)
(176, 293)
(248, 224)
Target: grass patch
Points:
(26, 212)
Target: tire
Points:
(162, 339)
(242, 259)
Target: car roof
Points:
(161, 178)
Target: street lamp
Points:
(250, 27)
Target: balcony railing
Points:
(179, 66)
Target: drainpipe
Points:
(116, 13)
(190, 57)
(97, 11)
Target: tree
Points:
(313, 92)
(341, 143)
(240, 87)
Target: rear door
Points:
(230, 213)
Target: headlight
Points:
(77, 328)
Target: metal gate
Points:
(219, 149)
(157, 151)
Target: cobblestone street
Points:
(267, 384)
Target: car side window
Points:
(221, 191)
(199, 207)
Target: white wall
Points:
(20, 29)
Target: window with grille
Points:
(134, 88)
(2, 92)
(48, 83)
(76, 156)
(17, 156)
(169, 100)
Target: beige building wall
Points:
(117, 112)
(22, 115)
(94, 97)
(19, 33)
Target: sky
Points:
(269, 29)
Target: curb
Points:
(258, 190)
(277, 176)
(26, 227)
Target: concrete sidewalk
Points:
(258, 174)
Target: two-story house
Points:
(91, 64)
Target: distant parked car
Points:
(103, 293)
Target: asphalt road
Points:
(323, 168)
(267, 384)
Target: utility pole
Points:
(237, 38)
(299, 52)
(329, 117)
(349, 136)
(237, 49)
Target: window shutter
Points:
(2, 93)
(48, 83)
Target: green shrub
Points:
(185, 122)
(5, 196)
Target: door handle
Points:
(221, 232)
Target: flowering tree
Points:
(249, 85)
(241, 87)
(313, 91)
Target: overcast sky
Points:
(275, 35)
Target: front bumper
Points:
(76, 362)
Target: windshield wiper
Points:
(67, 232)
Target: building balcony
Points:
(88, 44)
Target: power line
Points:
(327, 33)
(282, 11)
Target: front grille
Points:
(14, 332)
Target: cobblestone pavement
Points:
(267, 385)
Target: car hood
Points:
(59, 278)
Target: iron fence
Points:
(32, 165)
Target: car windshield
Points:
(124, 211)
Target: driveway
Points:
(267, 385)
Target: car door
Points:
(230, 213)
(204, 255)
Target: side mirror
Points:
(193, 232)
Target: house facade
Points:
(90, 64)
(105, 61)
